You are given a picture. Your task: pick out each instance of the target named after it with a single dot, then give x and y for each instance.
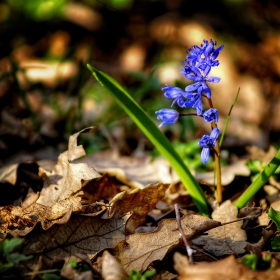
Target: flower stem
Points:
(219, 195)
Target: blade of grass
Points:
(137, 114)
(228, 117)
(259, 181)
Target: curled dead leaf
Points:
(140, 202)
(65, 179)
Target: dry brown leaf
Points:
(135, 172)
(257, 248)
(9, 174)
(140, 249)
(111, 268)
(228, 173)
(81, 234)
(141, 171)
(17, 179)
(225, 240)
(103, 188)
(228, 269)
(140, 202)
(20, 221)
(58, 198)
(65, 179)
(256, 153)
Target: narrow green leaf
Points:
(228, 117)
(137, 114)
(259, 181)
(274, 216)
(275, 243)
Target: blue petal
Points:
(215, 133)
(207, 70)
(192, 87)
(207, 90)
(195, 70)
(167, 116)
(205, 153)
(211, 115)
(203, 142)
(198, 106)
(213, 79)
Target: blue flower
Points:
(171, 92)
(198, 65)
(194, 74)
(208, 142)
(204, 57)
(195, 54)
(210, 55)
(211, 115)
(167, 116)
(194, 101)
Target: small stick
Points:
(188, 247)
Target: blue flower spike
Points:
(196, 68)
(208, 143)
(211, 115)
(167, 116)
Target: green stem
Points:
(260, 181)
(219, 195)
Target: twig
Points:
(188, 247)
(238, 220)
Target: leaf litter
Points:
(74, 213)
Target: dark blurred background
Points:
(47, 93)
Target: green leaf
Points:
(134, 275)
(74, 263)
(274, 216)
(142, 120)
(5, 267)
(10, 244)
(148, 274)
(250, 261)
(275, 243)
(228, 117)
(259, 181)
(17, 257)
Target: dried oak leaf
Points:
(227, 268)
(58, 198)
(139, 250)
(140, 202)
(225, 240)
(20, 221)
(81, 234)
(65, 179)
